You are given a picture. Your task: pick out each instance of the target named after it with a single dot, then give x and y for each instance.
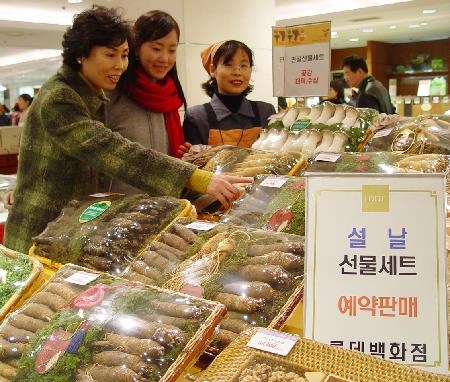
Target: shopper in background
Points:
(144, 107)
(5, 120)
(24, 102)
(15, 115)
(336, 92)
(229, 118)
(370, 92)
(65, 143)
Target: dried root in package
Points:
(256, 274)
(248, 162)
(88, 326)
(422, 135)
(110, 240)
(273, 203)
(381, 162)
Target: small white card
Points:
(382, 132)
(328, 157)
(82, 278)
(272, 341)
(274, 181)
(3, 276)
(99, 195)
(201, 225)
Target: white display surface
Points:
(376, 266)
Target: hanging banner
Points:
(301, 60)
(376, 266)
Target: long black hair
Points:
(152, 26)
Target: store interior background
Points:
(389, 34)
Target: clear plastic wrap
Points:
(111, 240)
(256, 274)
(248, 162)
(18, 275)
(381, 163)
(89, 326)
(422, 135)
(273, 203)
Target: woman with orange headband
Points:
(229, 118)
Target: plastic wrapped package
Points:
(106, 232)
(256, 274)
(90, 326)
(247, 162)
(422, 135)
(273, 203)
(308, 361)
(20, 276)
(381, 163)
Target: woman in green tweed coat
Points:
(65, 144)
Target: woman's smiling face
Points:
(233, 77)
(104, 65)
(158, 57)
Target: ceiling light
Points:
(367, 30)
(414, 26)
(393, 27)
(33, 15)
(353, 39)
(32, 55)
(334, 34)
(74, 1)
(428, 11)
(2, 88)
(424, 24)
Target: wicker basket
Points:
(33, 282)
(311, 356)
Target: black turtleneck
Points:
(232, 102)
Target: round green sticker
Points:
(94, 211)
(300, 124)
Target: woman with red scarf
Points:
(144, 108)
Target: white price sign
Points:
(201, 225)
(273, 341)
(81, 278)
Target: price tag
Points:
(274, 181)
(201, 225)
(81, 278)
(328, 157)
(3, 276)
(416, 100)
(445, 99)
(435, 99)
(382, 132)
(407, 100)
(272, 341)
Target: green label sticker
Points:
(94, 211)
(300, 124)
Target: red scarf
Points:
(160, 98)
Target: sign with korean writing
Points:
(301, 60)
(376, 266)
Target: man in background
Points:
(370, 92)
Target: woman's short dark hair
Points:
(226, 52)
(97, 26)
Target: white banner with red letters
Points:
(376, 266)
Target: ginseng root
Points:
(239, 303)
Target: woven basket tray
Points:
(311, 356)
(30, 285)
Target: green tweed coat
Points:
(64, 144)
